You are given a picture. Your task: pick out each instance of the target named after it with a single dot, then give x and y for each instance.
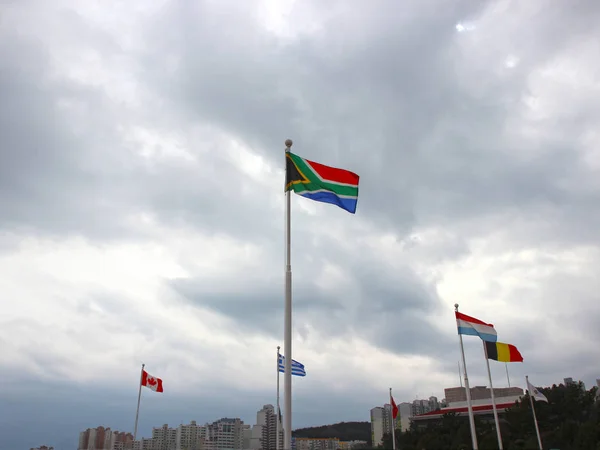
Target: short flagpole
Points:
(393, 422)
(537, 429)
(287, 328)
(498, 432)
(468, 391)
(137, 412)
(278, 410)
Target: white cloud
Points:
(142, 193)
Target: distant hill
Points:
(344, 431)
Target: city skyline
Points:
(142, 205)
(407, 410)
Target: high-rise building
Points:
(570, 382)
(185, 437)
(101, 438)
(252, 437)
(190, 437)
(84, 436)
(405, 412)
(317, 443)
(420, 407)
(434, 404)
(247, 438)
(425, 406)
(225, 434)
(95, 435)
(121, 440)
(350, 445)
(143, 444)
(164, 438)
(377, 419)
(387, 422)
(381, 423)
(263, 435)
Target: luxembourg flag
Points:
(471, 326)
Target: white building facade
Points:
(381, 423)
(405, 412)
(225, 434)
(190, 436)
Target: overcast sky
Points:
(142, 205)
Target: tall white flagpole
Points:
(537, 429)
(468, 391)
(137, 412)
(393, 421)
(507, 377)
(278, 410)
(459, 375)
(287, 328)
(498, 432)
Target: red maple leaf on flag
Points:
(153, 383)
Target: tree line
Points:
(570, 421)
(344, 431)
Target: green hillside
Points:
(344, 431)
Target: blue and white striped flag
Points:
(297, 368)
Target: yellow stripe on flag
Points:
(503, 352)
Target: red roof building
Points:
(484, 411)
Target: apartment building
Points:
(143, 444)
(405, 411)
(381, 423)
(225, 434)
(349, 445)
(381, 417)
(263, 435)
(570, 382)
(424, 406)
(102, 438)
(190, 437)
(317, 443)
(164, 438)
(185, 437)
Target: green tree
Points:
(570, 421)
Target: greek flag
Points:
(297, 368)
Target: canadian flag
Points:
(151, 382)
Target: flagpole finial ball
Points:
(456, 306)
(288, 143)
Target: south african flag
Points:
(321, 183)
